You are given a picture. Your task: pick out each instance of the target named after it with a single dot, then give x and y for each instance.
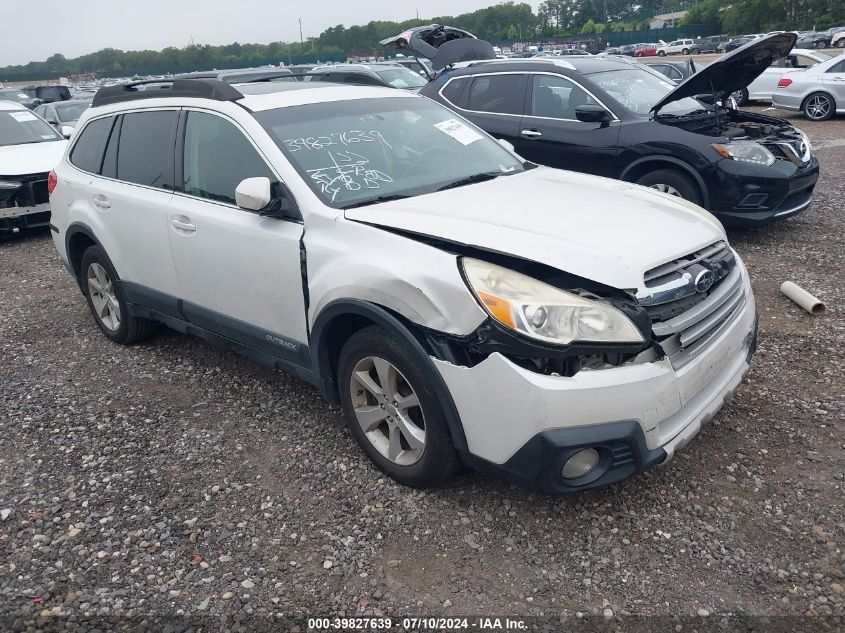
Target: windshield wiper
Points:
(469, 180)
(376, 200)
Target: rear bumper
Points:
(786, 101)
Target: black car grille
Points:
(685, 319)
(33, 191)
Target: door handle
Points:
(531, 133)
(183, 224)
(101, 202)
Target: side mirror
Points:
(270, 200)
(506, 144)
(253, 194)
(66, 130)
(589, 113)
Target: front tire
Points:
(661, 53)
(107, 302)
(695, 51)
(741, 97)
(672, 182)
(392, 409)
(685, 51)
(819, 107)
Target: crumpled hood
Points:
(734, 70)
(32, 158)
(442, 45)
(604, 230)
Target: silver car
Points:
(63, 115)
(818, 91)
(761, 89)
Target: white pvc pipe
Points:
(811, 304)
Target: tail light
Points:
(52, 181)
(784, 83)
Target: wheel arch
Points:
(641, 166)
(340, 319)
(78, 238)
(817, 91)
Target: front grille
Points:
(685, 319)
(33, 191)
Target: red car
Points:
(646, 50)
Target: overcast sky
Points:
(31, 30)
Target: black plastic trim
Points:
(537, 465)
(54, 228)
(188, 88)
(322, 363)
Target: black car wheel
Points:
(695, 51)
(741, 97)
(821, 44)
(819, 107)
(673, 182)
(841, 43)
(685, 51)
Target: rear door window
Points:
(147, 142)
(87, 152)
(503, 94)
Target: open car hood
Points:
(734, 70)
(443, 45)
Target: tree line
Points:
(499, 23)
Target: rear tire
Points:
(107, 301)
(661, 53)
(841, 43)
(695, 51)
(673, 182)
(685, 51)
(819, 107)
(392, 409)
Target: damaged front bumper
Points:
(524, 425)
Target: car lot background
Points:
(170, 477)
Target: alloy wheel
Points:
(818, 107)
(388, 410)
(103, 297)
(666, 189)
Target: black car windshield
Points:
(638, 90)
(353, 152)
(18, 127)
(401, 77)
(14, 95)
(71, 111)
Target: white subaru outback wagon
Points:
(461, 304)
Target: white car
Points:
(837, 39)
(761, 89)
(683, 47)
(457, 301)
(818, 91)
(29, 149)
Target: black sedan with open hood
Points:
(615, 117)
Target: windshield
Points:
(71, 112)
(401, 78)
(357, 151)
(22, 126)
(13, 95)
(638, 90)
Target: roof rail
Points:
(517, 60)
(194, 88)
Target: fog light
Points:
(580, 463)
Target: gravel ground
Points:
(171, 478)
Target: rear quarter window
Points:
(453, 90)
(87, 153)
(147, 144)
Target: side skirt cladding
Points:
(268, 348)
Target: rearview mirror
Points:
(592, 114)
(506, 144)
(253, 194)
(66, 131)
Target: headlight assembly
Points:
(542, 312)
(746, 152)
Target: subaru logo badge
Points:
(703, 280)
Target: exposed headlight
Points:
(542, 312)
(745, 151)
